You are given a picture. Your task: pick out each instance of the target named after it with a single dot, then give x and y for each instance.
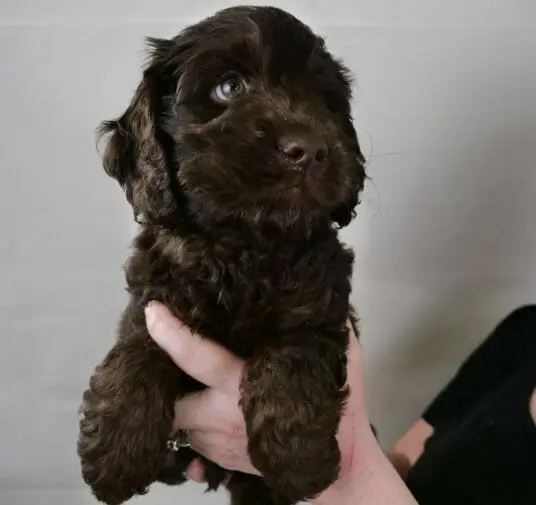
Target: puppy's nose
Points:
(303, 150)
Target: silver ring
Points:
(178, 441)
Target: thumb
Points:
(200, 358)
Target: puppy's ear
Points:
(344, 214)
(338, 84)
(134, 154)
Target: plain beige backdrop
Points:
(445, 238)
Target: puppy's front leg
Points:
(127, 415)
(292, 397)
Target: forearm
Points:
(410, 447)
(377, 483)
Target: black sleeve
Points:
(485, 456)
(494, 360)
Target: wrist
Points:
(373, 481)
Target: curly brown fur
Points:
(238, 238)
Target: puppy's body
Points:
(239, 242)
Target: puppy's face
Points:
(245, 116)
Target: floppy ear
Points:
(339, 95)
(135, 156)
(344, 214)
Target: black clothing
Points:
(483, 450)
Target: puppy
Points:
(240, 161)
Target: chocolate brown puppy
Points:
(239, 158)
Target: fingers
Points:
(231, 454)
(191, 412)
(196, 471)
(200, 358)
(203, 410)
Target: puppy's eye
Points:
(228, 90)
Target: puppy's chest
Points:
(241, 300)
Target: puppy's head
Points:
(243, 116)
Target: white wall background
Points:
(445, 238)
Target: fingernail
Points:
(151, 313)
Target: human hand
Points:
(214, 418)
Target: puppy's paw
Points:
(122, 442)
(292, 404)
(300, 465)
